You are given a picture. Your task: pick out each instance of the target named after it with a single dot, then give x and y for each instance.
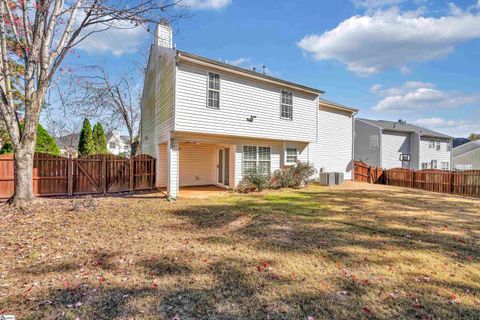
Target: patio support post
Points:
(173, 155)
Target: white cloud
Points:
(457, 128)
(239, 61)
(387, 39)
(417, 96)
(122, 37)
(206, 4)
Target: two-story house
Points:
(208, 122)
(389, 144)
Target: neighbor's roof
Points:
(190, 56)
(68, 141)
(336, 105)
(405, 127)
(457, 142)
(467, 147)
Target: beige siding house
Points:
(208, 122)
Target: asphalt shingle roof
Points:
(405, 127)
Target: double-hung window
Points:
(213, 99)
(256, 158)
(434, 164)
(445, 165)
(286, 106)
(438, 146)
(291, 155)
(424, 165)
(374, 142)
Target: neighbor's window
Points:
(424, 165)
(112, 145)
(287, 105)
(291, 155)
(449, 147)
(256, 158)
(374, 142)
(439, 146)
(431, 144)
(434, 164)
(445, 165)
(213, 90)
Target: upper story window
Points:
(431, 144)
(374, 142)
(449, 147)
(438, 146)
(286, 109)
(213, 99)
(291, 155)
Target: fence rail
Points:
(55, 175)
(454, 182)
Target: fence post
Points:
(452, 182)
(104, 173)
(70, 176)
(132, 172)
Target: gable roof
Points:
(467, 147)
(405, 127)
(186, 56)
(69, 141)
(336, 105)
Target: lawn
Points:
(354, 251)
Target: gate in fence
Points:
(55, 175)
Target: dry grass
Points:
(356, 251)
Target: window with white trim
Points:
(439, 145)
(374, 142)
(449, 147)
(291, 155)
(256, 158)
(286, 105)
(445, 166)
(424, 165)
(213, 99)
(431, 144)
(434, 164)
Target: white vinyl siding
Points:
(158, 100)
(240, 99)
(286, 105)
(197, 164)
(363, 152)
(428, 154)
(394, 144)
(213, 99)
(333, 151)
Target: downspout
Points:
(353, 145)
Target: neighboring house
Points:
(118, 144)
(209, 122)
(68, 145)
(389, 144)
(467, 156)
(459, 141)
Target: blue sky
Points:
(416, 60)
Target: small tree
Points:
(86, 147)
(474, 136)
(99, 139)
(45, 142)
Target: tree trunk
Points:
(23, 181)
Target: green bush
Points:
(296, 176)
(45, 143)
(255, 180)
(86, 146)
(99, 139)
(6, 148)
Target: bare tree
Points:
(110, 101)
(39, 35)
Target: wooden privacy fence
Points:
(365, 173)
(455, 182)
(55, 175)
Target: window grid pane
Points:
(286, 111)
(291, 155)
(213, 90)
